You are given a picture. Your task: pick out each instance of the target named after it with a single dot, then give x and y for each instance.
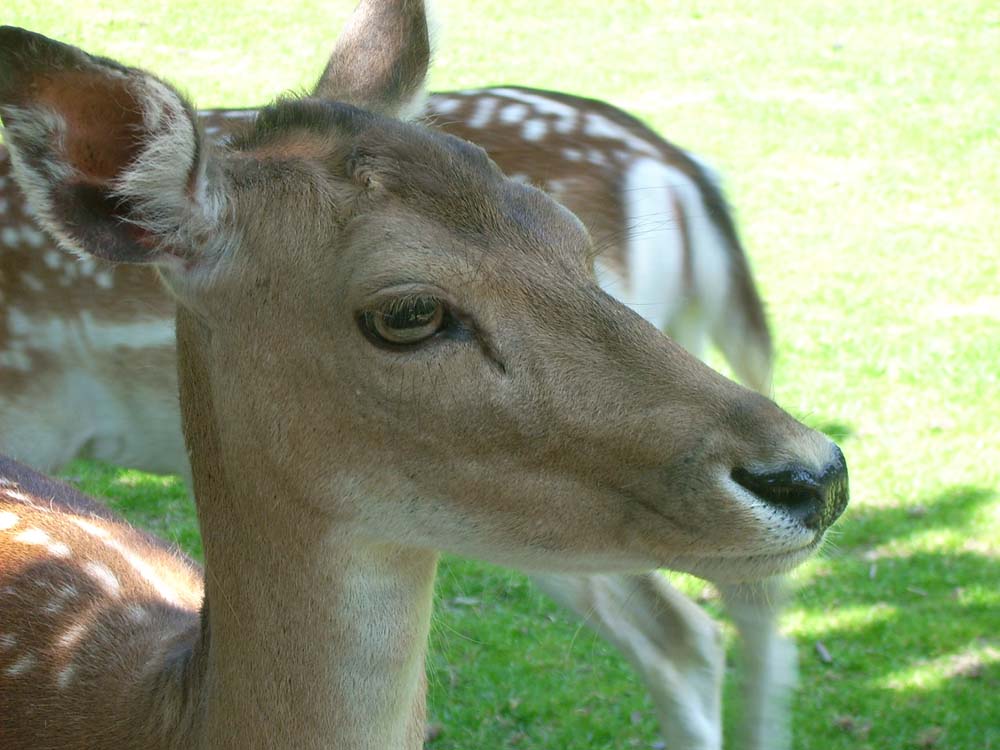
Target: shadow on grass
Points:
(914, 633)
(953, 509)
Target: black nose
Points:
(814, 499)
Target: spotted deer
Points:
(631, 610)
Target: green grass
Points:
(860, 144)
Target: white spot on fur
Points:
(142, 567)
(596, 156)
(8, 520)
(15, 495)
(7, 641)
(3, 205)
(137, 614)
(572, 154)
(32, 236)
(599, 126)
(653, 191)
(146, 570)
(65, 676)
(104, 577)
(62, 596)
(18, 323)
(237, 114)
(10, 237)
(90, 528)
(483, 115)
(446, 106)
(54, 334)
(54, 259)
(32, 282)
(21, 666)
(534, 130)
(104, 279)
(32, 536)
(29, 210)
(565, 115)
(72, 635)
(655, 244)
(521, 177)
(59, 549)
(513, 113)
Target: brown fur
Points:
(79, 616)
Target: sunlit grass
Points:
(975, 662)
(815, 623)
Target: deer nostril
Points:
(798, 492)
(816, 500)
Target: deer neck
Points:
(310, 638)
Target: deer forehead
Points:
(435, 176)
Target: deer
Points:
(187, 218)
(669, 248)
(70, 401)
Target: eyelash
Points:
(376, 323)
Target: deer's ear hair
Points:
(110, 158)
(381, 59)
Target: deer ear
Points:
(109, 157)
(381, 59)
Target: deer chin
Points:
(745, 568)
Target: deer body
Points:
(336, 271)
(102, 586)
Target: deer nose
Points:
(814, 499)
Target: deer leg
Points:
(770, 660)
(674, 646)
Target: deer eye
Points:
(405, 321)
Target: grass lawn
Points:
(861, 145)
